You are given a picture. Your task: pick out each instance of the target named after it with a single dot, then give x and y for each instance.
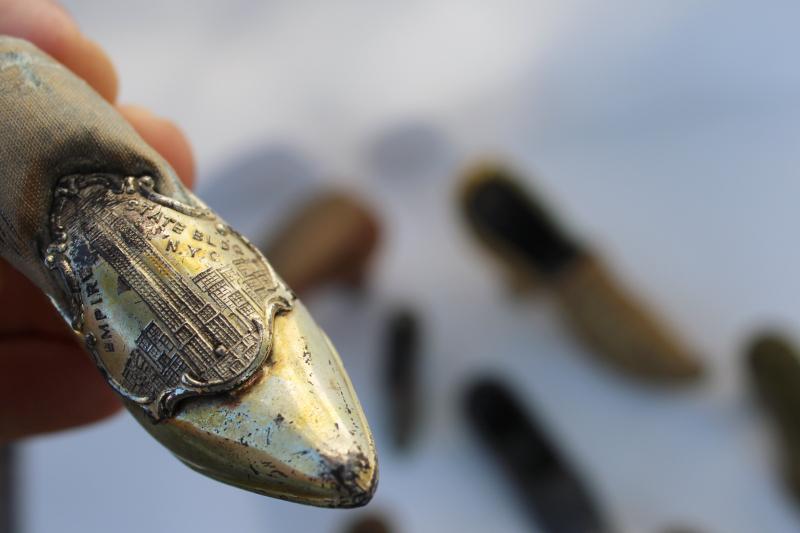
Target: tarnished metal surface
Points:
(208, 347)
(297, 432)
(172, 303)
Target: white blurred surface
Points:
(666, 133)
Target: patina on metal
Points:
(210, 350)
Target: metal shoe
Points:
(518, 229)
(213, 354)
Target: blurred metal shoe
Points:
(371, 523)
(212, 353)
(774, 366)
(549, 488)
(519, 231)
(329, 239)
(402, 376)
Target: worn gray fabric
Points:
(53, 124)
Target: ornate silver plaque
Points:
(171, 302)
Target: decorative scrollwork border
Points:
(55, 258)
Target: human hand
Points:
(49, 381)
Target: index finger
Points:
(47, 25)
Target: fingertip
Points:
(89, 61)
(165, 137)
(44, 24)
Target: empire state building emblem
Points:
(197, 300)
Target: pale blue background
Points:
(666, 132)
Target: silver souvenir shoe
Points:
(212, 353)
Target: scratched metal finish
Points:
(298, 429)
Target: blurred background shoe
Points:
(517, 228)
